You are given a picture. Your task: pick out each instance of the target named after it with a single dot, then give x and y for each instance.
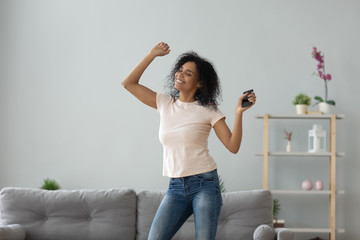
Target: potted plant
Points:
(302, 101)
(276, 209)
(324, 104)
(50, 184)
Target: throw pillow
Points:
(264, 232)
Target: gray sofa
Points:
(34, 214)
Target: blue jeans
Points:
(199, 195)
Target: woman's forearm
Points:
(236, 136)
(131, 82)
(160, 49)
(135, 75)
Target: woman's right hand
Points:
(160, 49)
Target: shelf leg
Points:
(266, 152)
(332, 165)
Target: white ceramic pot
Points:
(325, 108)
(301, 109)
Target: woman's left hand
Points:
(252, 99)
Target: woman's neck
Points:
(187, 98)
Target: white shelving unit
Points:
(332, 155)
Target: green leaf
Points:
(331, 102)
(222, 185)
(276, 208)
(302, 99)
(317, 98)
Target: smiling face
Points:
(186, 79)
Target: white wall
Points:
(64, 114)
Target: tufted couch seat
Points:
(110, 214)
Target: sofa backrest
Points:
(242, 212)
(71, 214)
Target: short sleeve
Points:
(216, 116)
(162, 100)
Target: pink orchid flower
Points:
(322, 74)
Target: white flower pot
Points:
(301, 109)
(325, 108)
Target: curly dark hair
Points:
(209, 93)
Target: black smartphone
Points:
(245, 102)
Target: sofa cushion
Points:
(242, 212)
(13, 232)
(71, 214)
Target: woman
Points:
(186, 118)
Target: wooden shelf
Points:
(306, 192)
(331, 155)
(315, 230)
(309, 116)
(301, 154)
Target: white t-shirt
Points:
(184, 131)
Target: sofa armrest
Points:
(284, 234)
(12, 232)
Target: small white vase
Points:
(288, 147)
(325, 108)
(301, 109)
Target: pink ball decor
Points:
(306, 185)
(319, 185)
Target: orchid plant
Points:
(323, 75)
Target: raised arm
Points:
(131, 82)
(232, 140)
